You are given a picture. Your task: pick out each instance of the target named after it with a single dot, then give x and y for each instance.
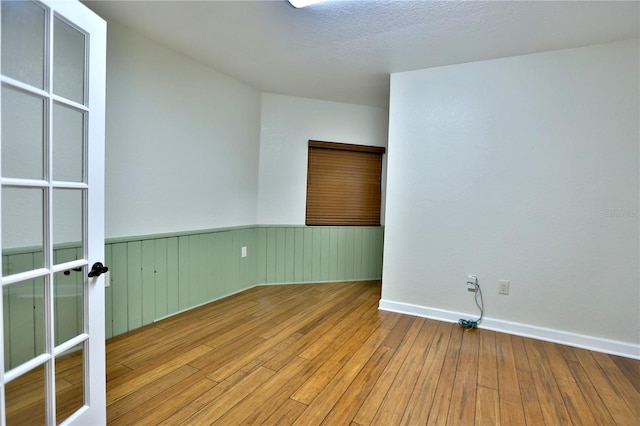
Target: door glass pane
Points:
(22, 229)
(23, 322)
(69, 383)
(25, 399)
(67, 222)
(68, 146)
(68, 304)
(68, 61)
(22, 135)
(23, 24)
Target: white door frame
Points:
(94, 410)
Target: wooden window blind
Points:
(343, 184)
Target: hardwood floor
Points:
(324, 354)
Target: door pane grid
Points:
(23, 131)
(24, 57)
(59, 174)
(45, 339)
(18, 85)
(49, 259)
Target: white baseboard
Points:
(582, 341)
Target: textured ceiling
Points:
(345, 50)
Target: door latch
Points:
(97, 269)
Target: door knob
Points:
(97, 269)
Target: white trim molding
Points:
(582, 341)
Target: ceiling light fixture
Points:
(303, 3)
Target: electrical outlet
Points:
(472, 282)
(503, 287)
(243, 251)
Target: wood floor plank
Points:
(274, 395)
(342, 303)
(142, 395)
(410, 327)
(577, 407)
(630, 369)
(327, 399)
(530, 402)
(251, 325)
(442, 400)
(226, 353)
(260, 350)
(181, 413)
(599, 412)
(317, 343)
(348, 406)
(612, 397)
(552, 404)
(397, 398)
(323, 353)
(267, 392)
(621, 382)
(520, 353)
(301, 319)
(462, 408)
(156, 409)
(137, 379)
(487, 364)
(273, 338)
(487, 407)
(115, 370)
(559, 367)
(310, 345)
(399, 332)
(285, 414)
(328, 369)
(511, 406)
(219, 406)
(419, 405)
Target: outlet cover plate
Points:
(503, 287)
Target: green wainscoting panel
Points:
(314, 254)
(169, 274)
(148, 272)
(68, 306)
(134, 285)
(160, 277)
(173, 275)
(118, 271)
(298, 254)
(184, 251)
(155, 276)
(23, 310)
(307, 260)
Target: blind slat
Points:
(343, 184)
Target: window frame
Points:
(326, 170)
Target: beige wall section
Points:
(182, 141)
(523, 169)
(288, 123)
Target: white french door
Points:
(52, 112)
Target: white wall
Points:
(288, 123)
(524, 169)
(182, 142)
